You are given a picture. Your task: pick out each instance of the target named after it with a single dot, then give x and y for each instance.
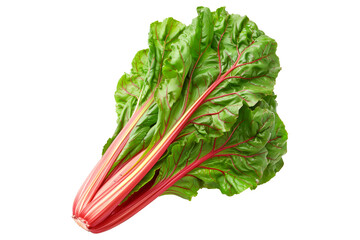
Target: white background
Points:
(59, 66)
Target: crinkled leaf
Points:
(241, 51)
(164, 49)
(276, 145)
(252, 79)
(232, 163)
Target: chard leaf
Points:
(247, 59)
(232, 163)
(238, 47)
(231, 174)
(164, 48)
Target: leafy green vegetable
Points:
(196, 111)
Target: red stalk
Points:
(118, 174)
(95, 179)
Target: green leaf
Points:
(252, 78)
(232, 163)
(276, 145)
(218, 44)
(163, 49)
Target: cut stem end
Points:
(82, 223)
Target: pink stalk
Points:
(95, 179)
(118, 174)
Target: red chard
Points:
(197, 111)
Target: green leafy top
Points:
(184, 63)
